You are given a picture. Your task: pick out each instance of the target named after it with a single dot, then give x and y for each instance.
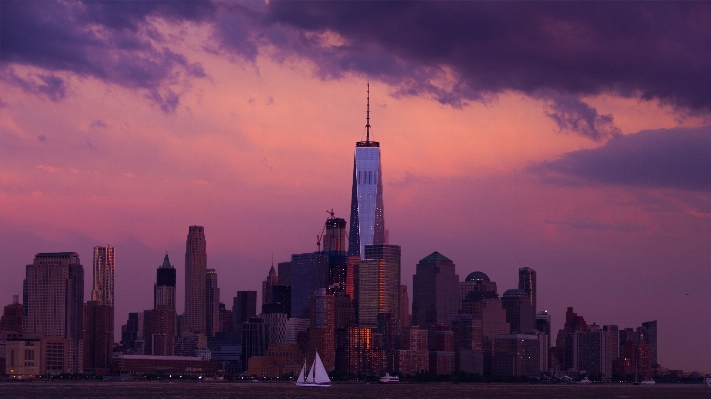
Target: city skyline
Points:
(547, 154)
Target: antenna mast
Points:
(367, 117)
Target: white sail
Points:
(320, 376)
(301, 374)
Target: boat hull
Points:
(307, 385)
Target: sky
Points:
(572, 138)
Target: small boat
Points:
(707, 381)
(648, 382)
(315, 377)
(585, 380)
(389, 379)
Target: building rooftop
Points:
(477, 276)
(515, 292)
(435, 257)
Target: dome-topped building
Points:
(477, 276)
(479, 284)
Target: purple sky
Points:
(572, 138)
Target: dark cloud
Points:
(574, 116)
(462, 51)
(42, 138)
(98, 123)
(672, 158)
(599, 226)
(96, 39)
(50, 86)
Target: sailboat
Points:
(315, 377)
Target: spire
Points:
(166, 262)
(367, 117)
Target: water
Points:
(180, 390)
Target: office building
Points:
(212, 303)
(367, 220)
(244, 307)
(379, 283)
(435, 293)
(12, 316)
(477, 285)
(404, 307)
(589, 351)
(519, 314)
(527, 283)
(284, 276)
(255, 339)
(516, 355)
(267, 286)
(98, 336)
(322, 329)
(159, 332)
(276, 327)
(649, 329)
(309, 272)
(612, 348)
(194, 319)
(543, 324)
(104, 267)
(55, 302)
(164, 288)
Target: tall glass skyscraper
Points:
(367, 223)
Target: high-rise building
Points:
(194, 320)
(334, 246)
(543, 324)
(132, 331)
(309, 272)
(435, 293)
(55, 302)
(271, 281)
(12, 316)
(367, 220)
(404, 307)
(516, 355)
(164, 288)
(244, 306)
(159, 332)
(255, 338)
(478, 286)
(612, 347)
(212, 303)
(104, 265)
(589, 350)
(518, 311)
(98, 336)
(379, 283)
(649, 329)
(322, 328)
(284, 276)
(527, 283)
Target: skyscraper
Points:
(55, 302)
(379, 288)
(212, 303)
(98, 336)
(244, 306)
(164, 288)
(272, 280)
(104, 264)
(322, 328)
(367, 220)
(195, 272)
(435, 293)
(309, 272)
(527, 282)
(649, 329)
(518, 311)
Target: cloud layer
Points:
(668, 158)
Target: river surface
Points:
(179, 390)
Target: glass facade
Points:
(367, 223)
